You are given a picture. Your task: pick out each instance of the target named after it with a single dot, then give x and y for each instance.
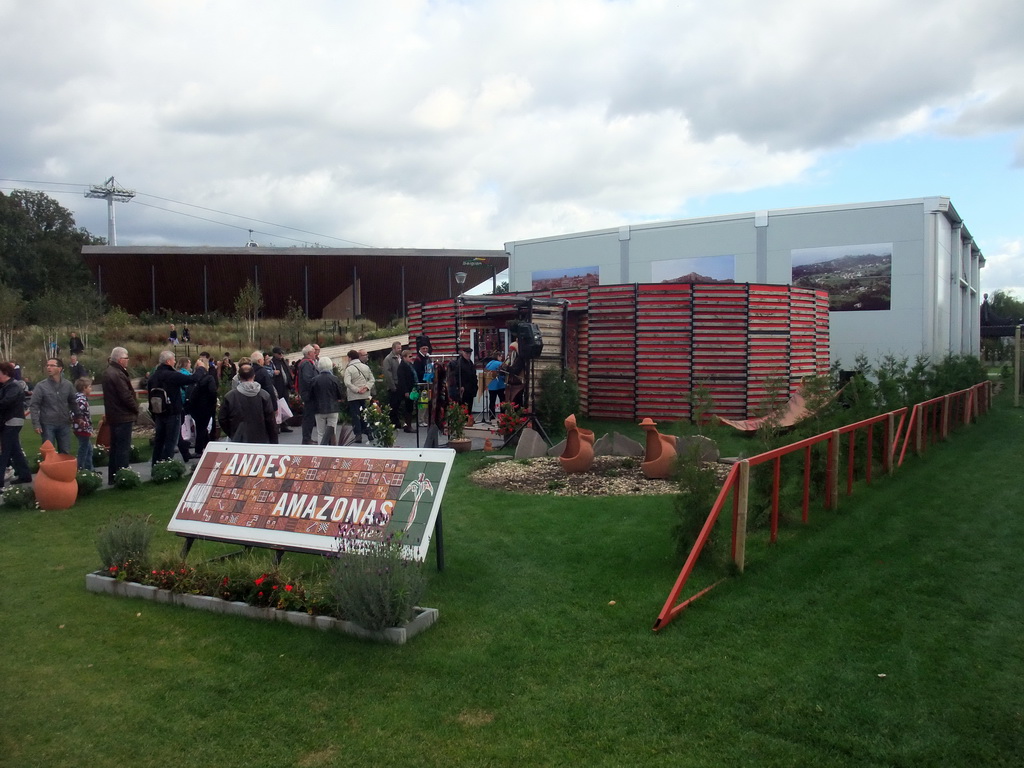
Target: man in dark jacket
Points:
(77, 370)
(305, 373)
(247, 413)
(263, 375)
(202, 402)
(463, 385)
(120, 409)
(168, 422)
(282, 379)
(12, 418)
(405, 382)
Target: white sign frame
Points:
(293, 497)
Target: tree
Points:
(12, 314)
(1005, 305)
(85, 307)
(502, 287)
(117, 319)
(248, 304)
(294, 324)
(40, 246)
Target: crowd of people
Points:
(189, 406)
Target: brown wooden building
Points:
(640, 350)
(337, 283)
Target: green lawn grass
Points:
(915, 578)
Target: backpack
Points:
(298, 374)
(159, 402)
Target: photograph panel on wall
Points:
(857, 277)
(565, 277)
(702, 269)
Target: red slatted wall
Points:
(821, 325)
(664, 337)
(611, 379)
(656, 343)
(769, 346)
(720, 345)
(803, 322)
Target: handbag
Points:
(284, 412)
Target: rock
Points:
(531, 445)
(615, 444)
(557, 450)
(706, 448)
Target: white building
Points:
(903, 275)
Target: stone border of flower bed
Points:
(424, 618)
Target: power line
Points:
(258, 221)
(191, 205)
(222, 223)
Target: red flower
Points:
(287, 587)
(260, 580)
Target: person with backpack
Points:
(247, 413)
(165, 405)
(120, 409)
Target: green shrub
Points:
(19, 496)
(100, 456)
(127, 479)
(168, 471)
(559, 398)
(374, 585)
(138, 454)
(123, 544)
(698, 489)
(88, 482)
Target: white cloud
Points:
(445, 123)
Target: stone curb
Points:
(424, 618)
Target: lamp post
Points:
(460, 278)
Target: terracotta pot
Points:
(460, 444)
(55, 485)
(660, 453)
(578, 455)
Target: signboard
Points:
(314, 498)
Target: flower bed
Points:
(423, 618)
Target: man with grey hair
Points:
(325, 398)
(165, 387)
(120, 409)
(304, 375)
(264, 376)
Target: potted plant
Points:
(455, 419)
(378, 419)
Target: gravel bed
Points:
(610, 476)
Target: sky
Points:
(461, 124)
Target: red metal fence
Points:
(928, 422)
